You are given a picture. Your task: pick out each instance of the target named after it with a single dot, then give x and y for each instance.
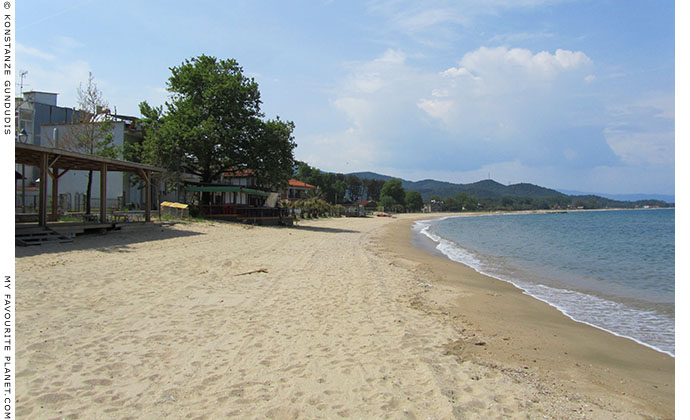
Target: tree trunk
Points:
(88, 193)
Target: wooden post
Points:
(54, 212)
(104, 179)
(43, 191)
(55, 174)
(148, 196)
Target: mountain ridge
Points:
(488, 188)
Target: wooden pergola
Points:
(57, 162)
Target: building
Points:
(122, 191)
(360, 208)
(237, 195)
(433, 206)
(42, 122)
(32, 111)
(296, 190)
(234, 195)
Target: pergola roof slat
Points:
(30, 154)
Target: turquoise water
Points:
(613, 269)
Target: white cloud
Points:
(62, 78)
(47, 73)
(505, 96)
(437, 23)
(495, 97)
(358, 110)
(642, 132)
(643, 148)
(522, 116)
(59, 67)
(33, 52)
(459, 72)
(518, 62)
(64, 43)
(519, 38)
(345, 151)
(437, 109)
(417, 20)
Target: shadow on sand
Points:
(110, 242)
(323, 229)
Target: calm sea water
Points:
(614, 270)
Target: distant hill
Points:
(482, 189)
(491, 190)
(669, 198)
(372, 175)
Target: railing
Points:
(222, 209)
(238, 211)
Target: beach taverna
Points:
(238, 196)
(54, 163)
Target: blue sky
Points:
(575, 95)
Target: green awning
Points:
(225, 188)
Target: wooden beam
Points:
(145, 175)
(56, 172)
(104, 192)
(54, 161)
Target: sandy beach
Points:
(333, 318)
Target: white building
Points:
(44, 123)
(121, 190)
(32, 111)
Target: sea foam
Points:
(645, 326)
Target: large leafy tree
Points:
(393, 188)
(373, 187)
(213, 122)
(270, 152)
(354, 187)
(413, 200)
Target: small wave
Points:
(648, 328)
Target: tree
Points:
(413, 200)
(92, 129)
(354, 187)
(373, 187)
(308, 174)
(471, 203)
(338, 188)
(387, 202)
(271, 152)
(212, 123)
(393, 188)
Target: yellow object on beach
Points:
(175, 209)
(174, 205)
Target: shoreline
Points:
(517, 327)
(332, 318)
(431, 248)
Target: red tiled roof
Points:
(296, 183)
(238, 173)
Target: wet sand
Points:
(576, 361)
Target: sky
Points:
(571, 95)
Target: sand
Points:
(334, 318)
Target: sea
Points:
(611, 269)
